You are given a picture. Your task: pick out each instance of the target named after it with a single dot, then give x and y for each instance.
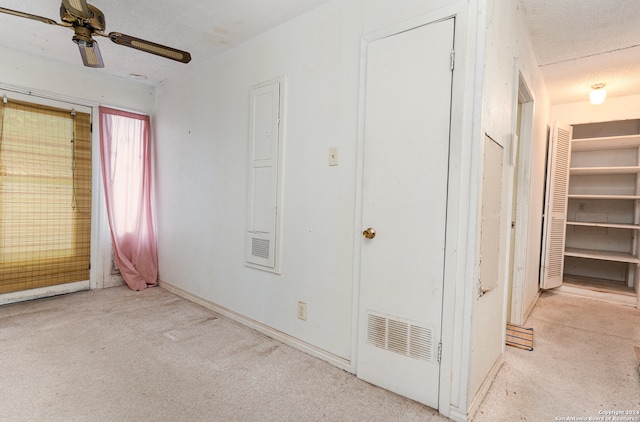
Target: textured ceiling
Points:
(205, 28)
(579, 43)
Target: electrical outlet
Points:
(302, 311)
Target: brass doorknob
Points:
(370, 233)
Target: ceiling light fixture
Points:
(598, 94)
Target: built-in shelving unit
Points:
(603, 211)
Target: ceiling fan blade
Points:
(77, 8)
(28, 16)
(90, 53)
(150, 47)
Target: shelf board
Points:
(580, 196)
(599, 285)
(602, 255)
(605, 170)
(605, 225)
(610, 142)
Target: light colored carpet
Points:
(583, 365)
(118, 355)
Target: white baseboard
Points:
(296, 343)
(484, 388)
(114, 280)
(41, 292)
(457, 415)
(531, 306)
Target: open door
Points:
(555, 212)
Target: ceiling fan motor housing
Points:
(82, 36)
(96, 21)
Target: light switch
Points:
(333, 156)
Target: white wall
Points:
(40, 80)
(92, 86)
(506, 43)
(201, 128)
(616, 108)
(201, 156)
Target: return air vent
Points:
(260, 248)
(399, 336)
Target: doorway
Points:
(45, 195)
(520, 293)
(404, 209)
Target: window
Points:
(125, 146)
(45, 196)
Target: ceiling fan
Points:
(86, 21)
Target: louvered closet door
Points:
(406, 156)
(555, 217)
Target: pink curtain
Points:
(125, 152)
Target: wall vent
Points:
(260, 248)
(398, 336)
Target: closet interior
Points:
(603, 210)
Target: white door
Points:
(406, 155)
(555, 213)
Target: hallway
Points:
(583, 364)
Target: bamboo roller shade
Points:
(45, 196)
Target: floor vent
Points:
(399, 336)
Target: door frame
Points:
(101, 250)
(521, 159)
(461, 210)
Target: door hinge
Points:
(439, 352)
(452, 63)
